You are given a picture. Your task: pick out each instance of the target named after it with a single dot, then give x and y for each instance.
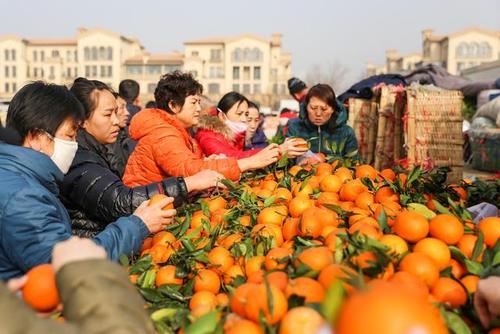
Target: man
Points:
(298, 89)
(129, 90)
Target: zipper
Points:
(319, 139)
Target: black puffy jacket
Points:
(119, 152)
(94, 194)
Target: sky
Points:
(322, 33)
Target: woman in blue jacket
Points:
(32, 218)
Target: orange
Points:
(491, 229)
(207, 280)
(413, 283)
(447, 228)
(422, 266)
(245, 221)
(301, 320)
(261, 299)
(366, 171)
(328, 198)
(220, 258)
(365, 200)
(385, 194)
(269, 185)
(344, 174)
(228, 241)
(294, 170)
(350, 190)
(254, 264)
(457, 269)
(290, 228)
(391, 210)
(331, 183)
(323, 168)
(160, 253)
(298, 205)
(198, 218)
(146, 244)
(240, 297)
(244, 326)
(271, 215)
(222, 299)
(388, 174)
(461, 192)
(357, 214)
(269, 231)
(163, 237)
(365, 260)
(279, 279)
(166, 275)
(303, 189)
(311, 222)
(215, 204)
(436, 249)
(388, 308)
(232, 272)
(306, 287)
(395, 243)
(316, 258)
(264, 193)
(160, 197)
(203, 299)
(40, 290)
(277, 258)
(470, 282)
(333, 272)
(447, 290)
(466, 244)
(283, 195)
(365, 229)
(411, 226)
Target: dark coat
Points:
(95, 195)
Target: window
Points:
(6, 71)
(283, 89)
(153, 69)
(7, 87)
(103, 71)
(86, 53)
(35, 56)
(87, 71)
(55, 53)
(256, 72)
(275, 88)
(195, 53)
(236, 72)
(42, 73)
(473, 49)
(68, 72)
(14, 71)
(102, 53)
(76, 72)
(213, 88)
(215, 55)
(246, 73)
(93, 53)
(94, 71)
(484, 49)
(151, 88)
(170, 68)
(237, 55)
(460, 66)
(14, 87)
(194, 74)
(28, 71)
(236, 88)
(68, 55)
(6, 54)
(75, 56)
(246, 89)
(134, 69)
(274, 73)
(257, 89)
(13, 52)
(42, 55)
(110, 71)
(52, 75)
(35, 72)
(216, 72)
(110, 53)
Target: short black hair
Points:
(40, 106)
(84, 90)
(151, 104)
(129, 89)
(175, 87)
(296, 85)
(229, 100)
(253, 105)
(323, 92)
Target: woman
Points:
(165, 147)
(255, 137)
(92, 190)
(323, 124)
(225, 133)
(119, 151)
(33, 219)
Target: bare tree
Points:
(333, 74)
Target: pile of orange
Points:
(321, 233)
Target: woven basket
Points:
(363, 119)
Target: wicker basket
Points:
(363, 119)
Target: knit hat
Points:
(295, 85)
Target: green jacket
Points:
(97, 298)
(333, 138)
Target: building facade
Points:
(455, 52)
(252, 65)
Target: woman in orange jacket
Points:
(165, 147)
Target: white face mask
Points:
(64, 153)
(236, 127)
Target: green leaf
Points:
(496, 259)
(124, 260)
(151, 295)
(455, 322)
(382, 221)
(164, 313)
(270, 200)
(204, 208)
(440, 208)
(478, 247)
(474, 267)
(283, 161)
(206, 324)
(333, 301)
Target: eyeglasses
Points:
(320, 109)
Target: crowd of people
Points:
(84, 162)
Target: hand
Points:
(487, 300)
(75, 249)
(216, 157)
(291, 147)
(205, 179)
(16, 284)
(153, 216)
(267, 156)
